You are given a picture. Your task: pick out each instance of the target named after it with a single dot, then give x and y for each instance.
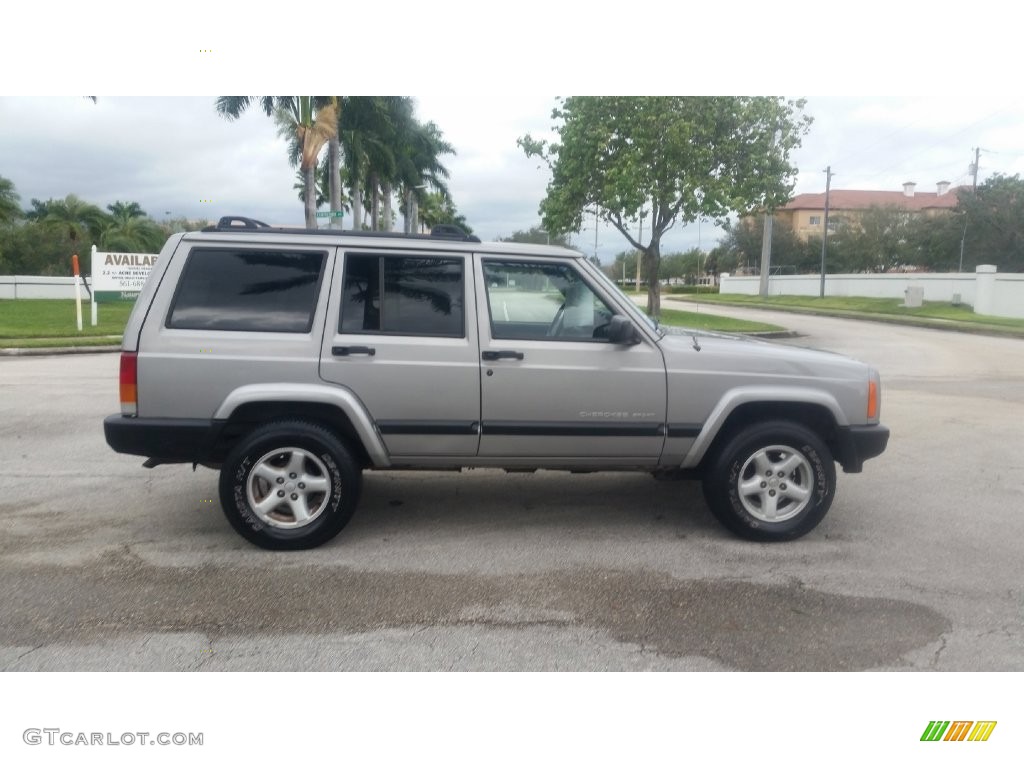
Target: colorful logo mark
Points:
(958, 730)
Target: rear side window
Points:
(248, 290)
(420, 296)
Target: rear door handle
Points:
(500, 354)
(346, 351)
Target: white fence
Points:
(988, 292)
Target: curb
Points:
(40, 351)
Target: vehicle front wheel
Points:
(772, 481)
(289, 485)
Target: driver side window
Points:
(528, 300)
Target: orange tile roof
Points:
(862, 199)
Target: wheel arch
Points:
(335, 408)
(815, 410)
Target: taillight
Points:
(129, 384)
(872, 399)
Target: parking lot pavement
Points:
(105, 565)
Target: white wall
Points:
(1004, 299)
(34, 287)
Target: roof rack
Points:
(252, 226)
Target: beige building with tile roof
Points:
(805, 213)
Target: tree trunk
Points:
(357, 205)
(374, 203)
(309, 181)
(334, 182)
(387, 206)
(652, 264)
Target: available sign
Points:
(119, 276)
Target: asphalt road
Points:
(105, 565)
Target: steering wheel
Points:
(555, 329)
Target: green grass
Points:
(704, 322)
(937, 313)
(43, 323)
(54, 319)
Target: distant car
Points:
(293, 359)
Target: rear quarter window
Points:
(225, 289)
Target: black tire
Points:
(302, 467)
(748, 495)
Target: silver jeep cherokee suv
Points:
(293, 359)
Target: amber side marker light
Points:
(129, 384)
(872, 399)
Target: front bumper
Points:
(855, 445)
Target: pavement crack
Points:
(938, 652)
(23, 655)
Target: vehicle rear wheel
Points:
(289, 485)
(772, 481)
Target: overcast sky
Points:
(173, 153)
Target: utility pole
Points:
(824, 237)
(974, 188)
(640, 254)
(597, 213)
(766, 253)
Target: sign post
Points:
(92, 294)
(78, 291)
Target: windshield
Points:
(610, 285)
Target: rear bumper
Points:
(855, 445)
(167, 440)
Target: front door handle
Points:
(502, 354)
(346, 351)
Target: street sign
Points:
(329, 214)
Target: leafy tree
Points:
(538, 236)
(935, 241)
(995, 223)
(624, 266)
(10, 210)
(37, 248)
(677, 157)
(683, 266)
(741, 247)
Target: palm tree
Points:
(420, 168)
(131, 230)
(125, 211)
(361, 130)
(313, 121)
(437, 209)
(83, 221)
(133, 235)
(9, 198)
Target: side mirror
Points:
(621, 331)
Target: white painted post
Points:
(985, 289)
(92, 268)
(78, 292)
